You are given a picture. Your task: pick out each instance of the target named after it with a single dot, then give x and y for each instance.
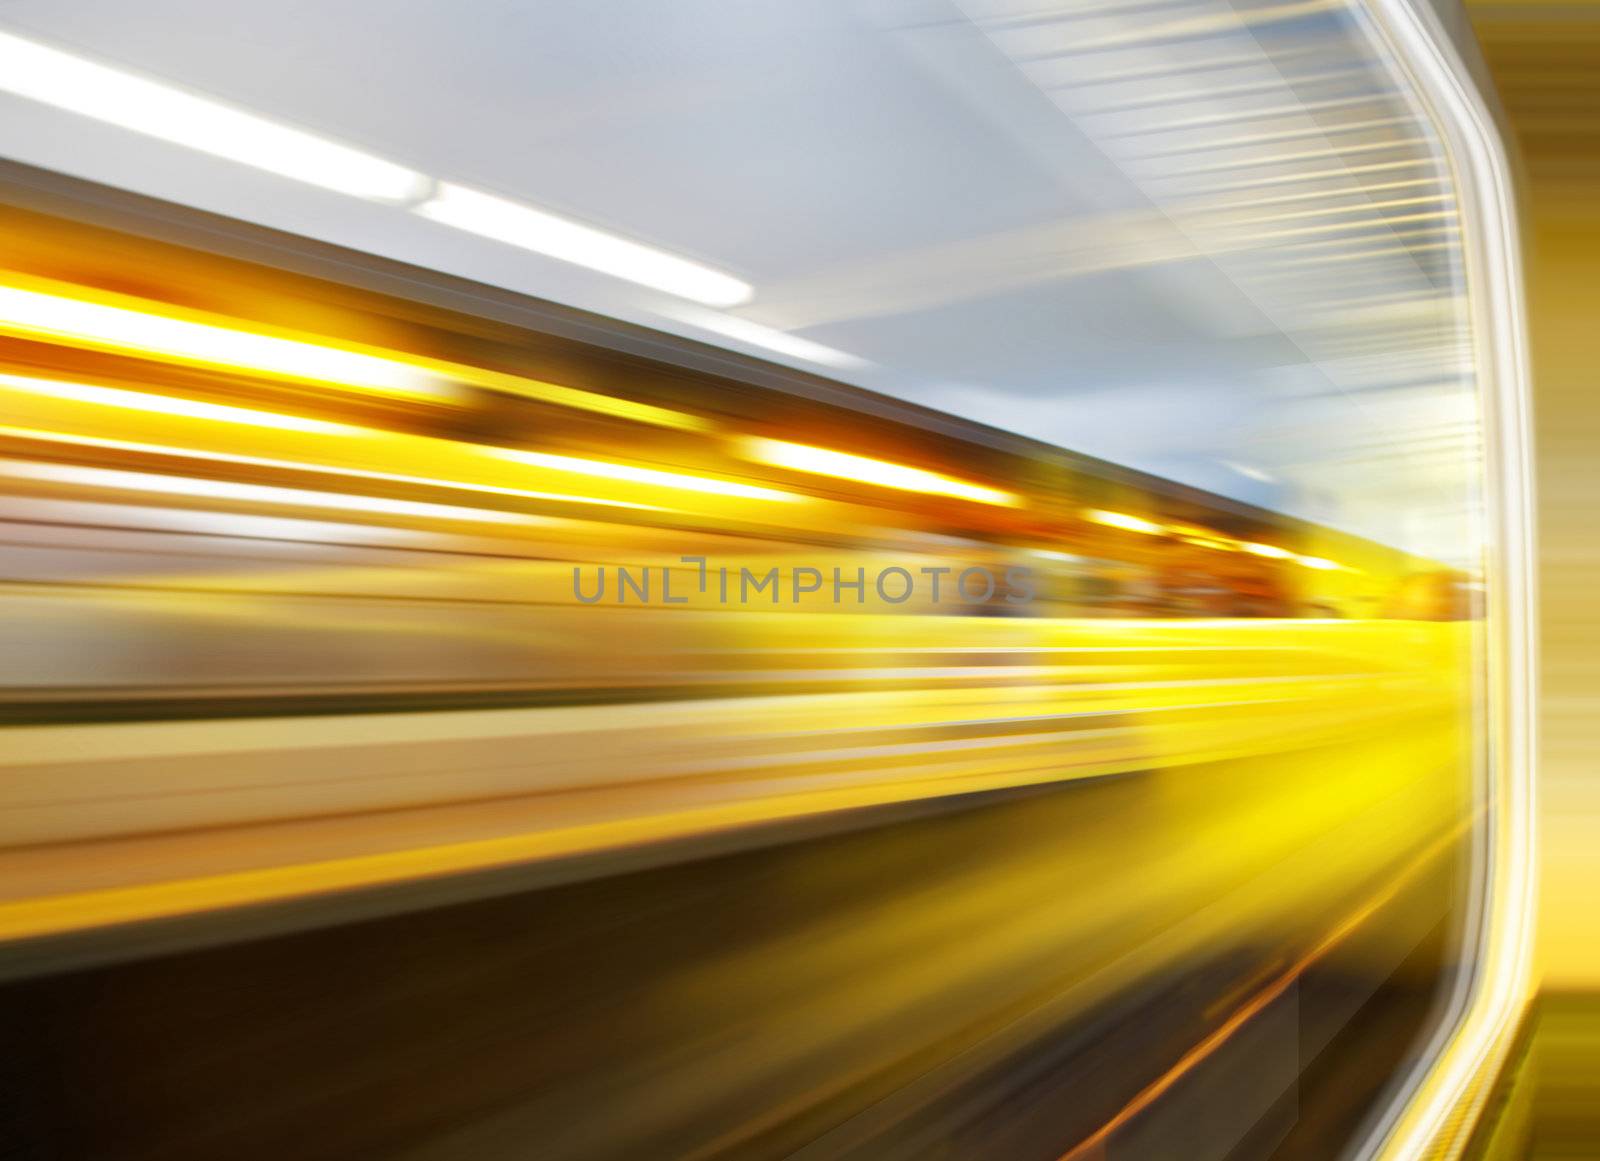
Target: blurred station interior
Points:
(860, 579)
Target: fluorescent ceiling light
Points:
(800, 457)
(118, 98)
(555, 237)
(66, 81)
(1247, 471)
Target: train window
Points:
(852, 580)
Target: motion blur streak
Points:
(1259, 1002)
(887, 855)
(1191, 694)
(454, 711)
(1124, 521)
(637, 475)
(56, 317)
(142, 401)
(249, 493)
(98, 320)
(387, 445)
(843, 465)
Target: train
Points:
(521, 451)
(639, 726)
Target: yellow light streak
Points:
(1271, 551)
(115, 478)
(1123, 521)
(121, 445)
(1201, 537)
(573, 397)
(1147, 710)
(628, 473)
(37, 314)
(1319, 563)
(84, 317)
(866, 470)
(168, 405)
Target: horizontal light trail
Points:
(649, 740)
(61, 318)
(65, 439)
(1270, 551)
(867, 470)
(228, 490)
(169, 405)
(653, 477)
(86, 317)
(1123, 521)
